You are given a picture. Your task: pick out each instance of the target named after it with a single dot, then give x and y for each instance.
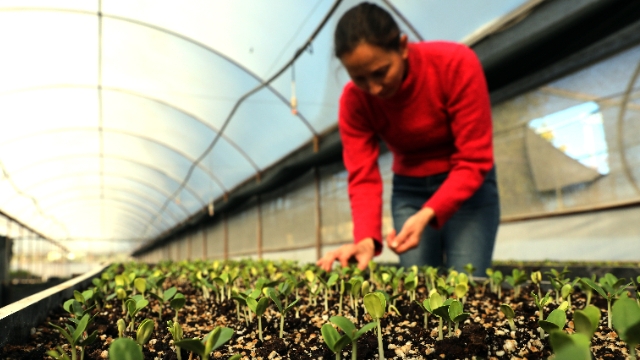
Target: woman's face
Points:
(375, 70)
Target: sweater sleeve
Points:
(469, 110)
(360, 149)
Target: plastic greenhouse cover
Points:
(104, 115)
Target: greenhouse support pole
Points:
(316, 174)
(259, 228)
(225, 235)
(204, 242)
(189, 239)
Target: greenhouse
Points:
(174, 174)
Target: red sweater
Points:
(438, 121)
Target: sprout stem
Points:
(380, 346)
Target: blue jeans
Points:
(467, 237)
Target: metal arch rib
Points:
(180, 36)
(132, 207)
(122, 132)
(120, 158)
(149, 185)
(150, 98)
(136, 194)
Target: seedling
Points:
(435, 303)
(144, 332)
(576, 346)
(134, 305)
(176, 304)
(570, 347)
(456, 314)
(427, 310)
(536, 278)
(211, 341)
(509, 314)
(541, 303)
(176, 332)
(335, 342)
(74, 335)
(410, 285)
(273, 294)
(586, 288)
(125, 348)
(140, 284)
(258, 307)
(516, 279)
(356, 288)
(122, 326)
(586, 321)
(469, 269)
(163, 297)
(375, 305)
(351, 335)
(555, 321)
(610, 288)
(497, 280)
(626, 320)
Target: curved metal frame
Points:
(156, 169)
(110, 175)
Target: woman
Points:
(429, 103)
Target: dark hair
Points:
(367, 23)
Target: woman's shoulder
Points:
(444, 49)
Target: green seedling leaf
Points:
(455, 312)
(626, 317)
(193, 345)
(89, 339)
(570, 347)
(365, 328)
(271, 292)
(177, 302)
(144, 332)
(140, 284)
(555, 321)
(121, 294)
(507, 311)
(169, 293)
(443, 312)
(375, 304)
(77, 295)
(435, 301)
(594, 286)
(125, 349)
(67, 305)
(345, 325)
(82, 325)
(461, 289)
(217, 338)
(586, 320)
(64, 333)
(333, 339)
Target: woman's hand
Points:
(411, 232)
(362, 252)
